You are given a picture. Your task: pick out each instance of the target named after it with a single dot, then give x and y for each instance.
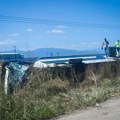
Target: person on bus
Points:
(105, 46)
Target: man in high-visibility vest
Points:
(117, 46)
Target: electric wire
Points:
(5, 18)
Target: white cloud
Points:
(13, 34)
(58, 31)
(29, 30)
(36, 37)
(8, 41)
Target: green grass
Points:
(43, 99)
(29, 107)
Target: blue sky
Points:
(61, 35)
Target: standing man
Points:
(105, 45)
(117, 46)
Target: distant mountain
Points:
(50, 52)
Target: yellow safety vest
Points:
(117, 44)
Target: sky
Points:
(69, 24)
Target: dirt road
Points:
(109, 110)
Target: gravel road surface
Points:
(109, 110)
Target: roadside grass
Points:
(44, 98)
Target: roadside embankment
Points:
(51, 92)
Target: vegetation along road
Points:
(109, 110)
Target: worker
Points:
(105, 45)
(117, 46)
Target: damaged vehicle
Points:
(13, 74)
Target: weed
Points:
(48, 94)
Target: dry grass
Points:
(51, 92)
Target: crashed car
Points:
(13, 75)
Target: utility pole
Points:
(14, 50)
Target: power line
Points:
(55, 22)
